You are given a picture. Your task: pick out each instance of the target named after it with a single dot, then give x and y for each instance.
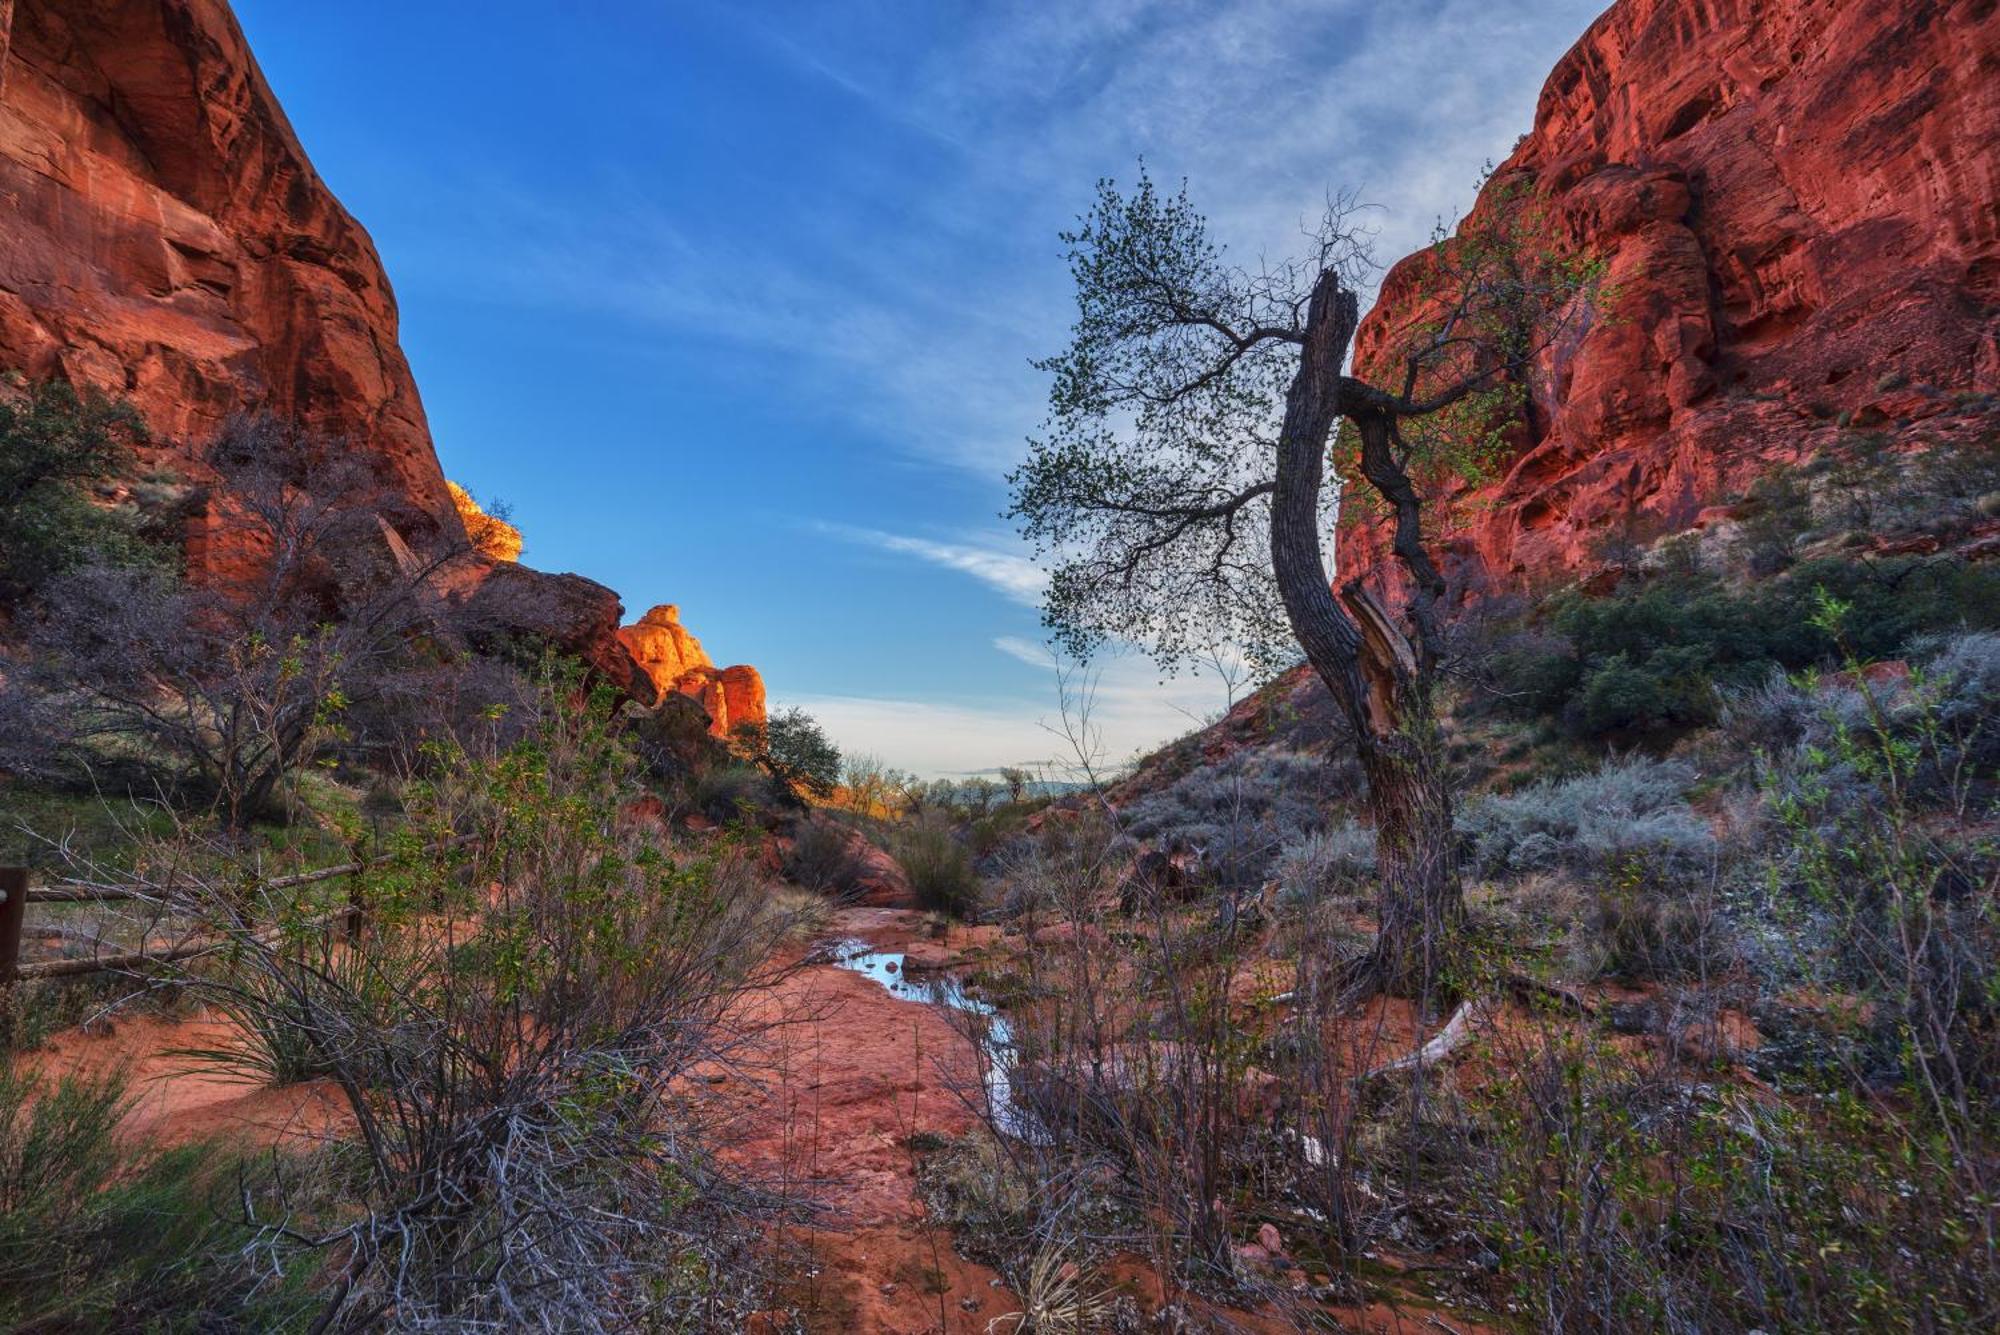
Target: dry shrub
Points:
(939, 868)
(824, 858)
(514, 1037)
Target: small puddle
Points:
(995, 1035)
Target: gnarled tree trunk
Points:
(1381, 681)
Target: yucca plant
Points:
(1061, 1298)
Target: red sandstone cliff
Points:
(167, 240)
(1798, 203)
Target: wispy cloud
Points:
(919, 325)
(1112, 710)
(1009, 572)
(1129, 712)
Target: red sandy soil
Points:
(853, 1074)
(847, 1078)
(174, 1100)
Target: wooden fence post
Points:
(13, 906)
(356, 916)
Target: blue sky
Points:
(733, 303)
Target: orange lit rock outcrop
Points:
(490, 536)
(1798, 206)
(675, 661)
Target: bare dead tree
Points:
(1180, 489)
(222, 690)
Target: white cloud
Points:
(1119, 706)
(1009, 572)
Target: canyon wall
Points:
(168, 241)
(1797, 207)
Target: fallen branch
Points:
(1529, 988)
(1457, 1030)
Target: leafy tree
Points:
(1180, 492)
(53, 443)
(794, 748)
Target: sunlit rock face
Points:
(675, 661)
(167, 240)
(1797, 208)
(489, 536)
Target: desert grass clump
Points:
(98, 1233)
(1060, 1297)
(939, 869)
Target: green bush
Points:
(1656, 656)
(99, 1234)
(54, 443)
(939, 869)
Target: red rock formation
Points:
(1798, 206)
(675, 661)
(167, 239)
(489, 536)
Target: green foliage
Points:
(939, 868)
(1486, 297)
(97, 1233)
(1618, 1200)
(54, 443)
(1906, 901)
(1141, 491)
(793, 747)
(1148, 490)
(1655, 656)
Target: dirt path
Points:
(854, 1074)
(849, 1074)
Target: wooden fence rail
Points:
(16, 895)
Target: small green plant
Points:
(939, 869)
(98, 1233)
